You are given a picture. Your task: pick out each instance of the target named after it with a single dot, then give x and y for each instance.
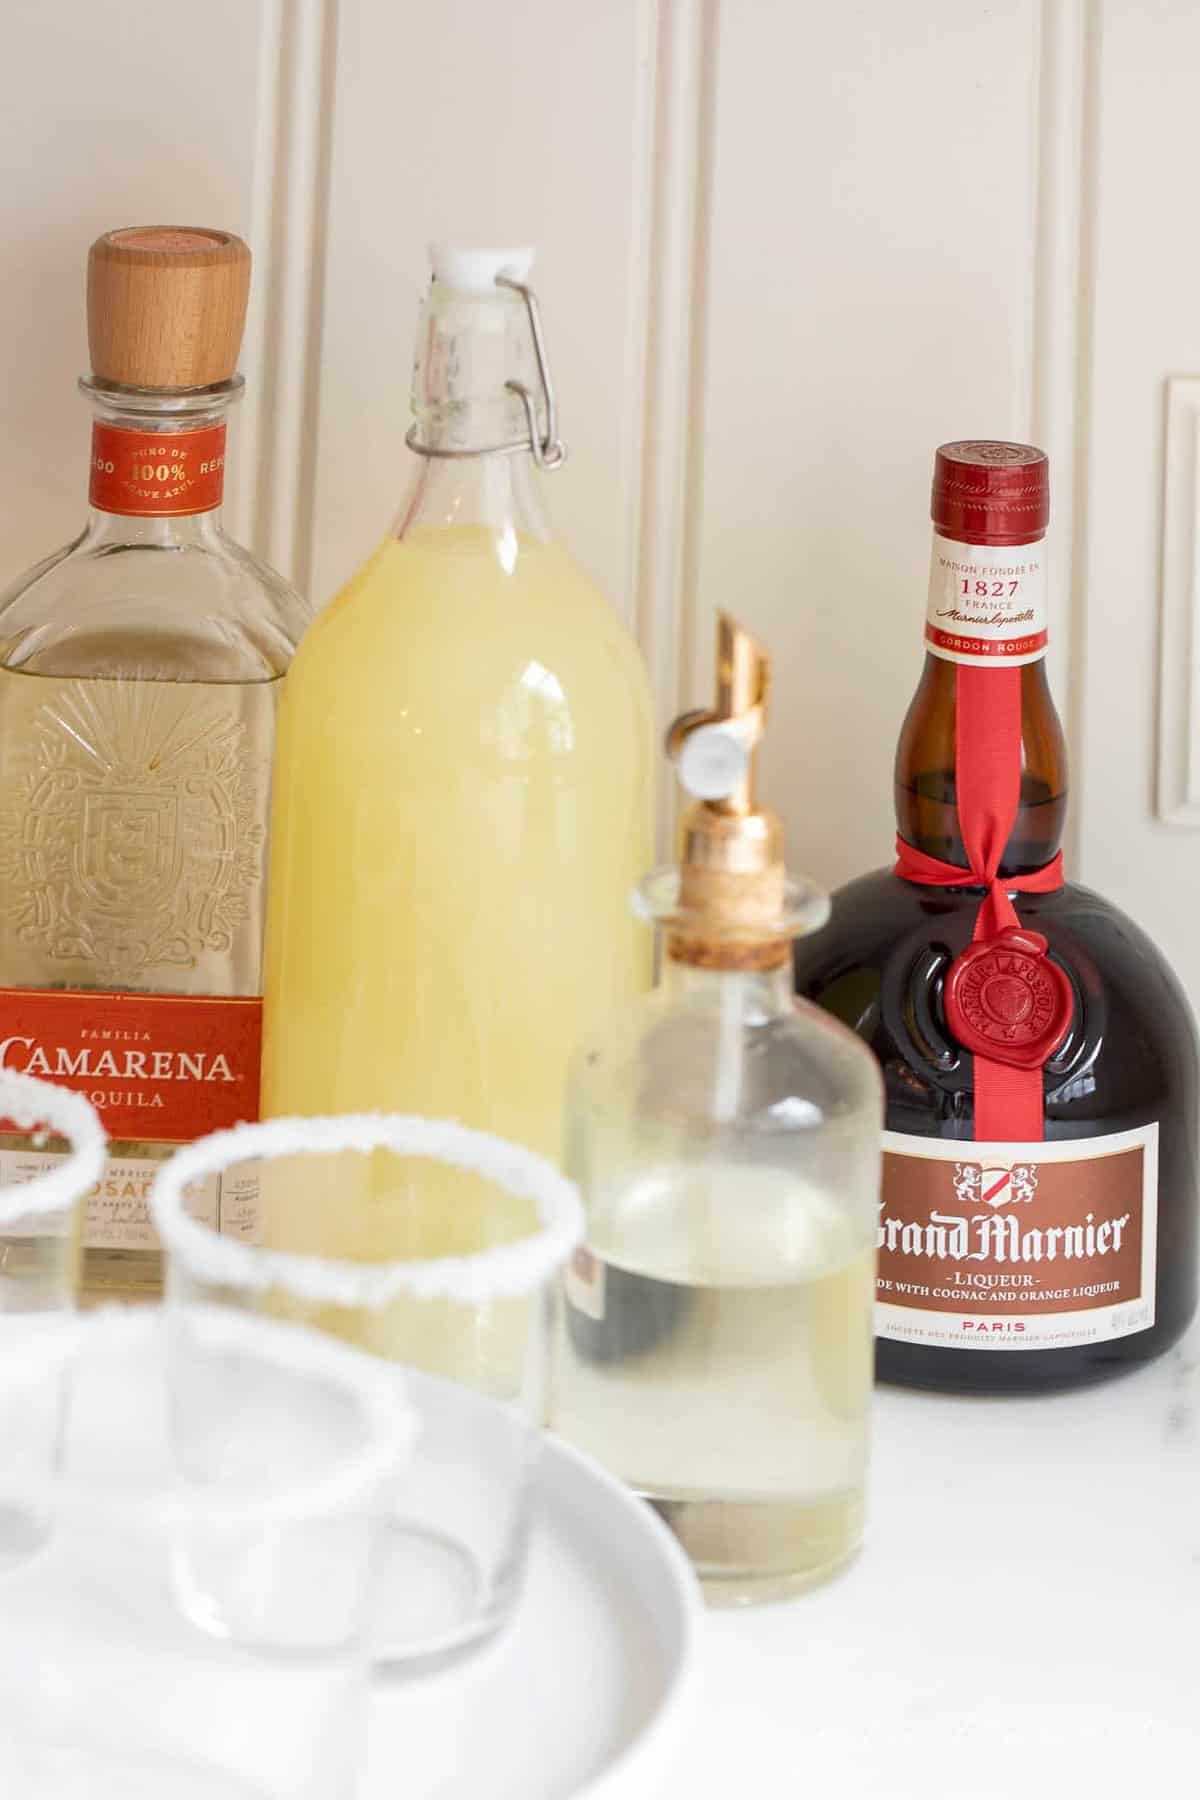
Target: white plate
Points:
(587, 1691)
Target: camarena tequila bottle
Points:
(1038, 1222)
(463, 786)
(716, 1344)
(139, 674)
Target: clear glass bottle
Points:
(463, 788)
(715, 1350)
(139, 675)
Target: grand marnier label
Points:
(1017, 1246)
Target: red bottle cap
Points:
(986, 492)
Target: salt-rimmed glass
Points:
(41, 1209)
(196, 1623)
(388, 1191)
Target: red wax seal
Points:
(1007, 1001)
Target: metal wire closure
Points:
(549, 452)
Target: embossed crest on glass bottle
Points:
(134, 825)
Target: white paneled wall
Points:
(785, 248)
(519, 123)
(1140, 327)
(112, 114)
(871, 269)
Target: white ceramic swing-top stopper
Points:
(473, 271)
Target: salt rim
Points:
(505, 1271)
(392, 1425)
(29, 1103)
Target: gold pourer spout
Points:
(731, 891)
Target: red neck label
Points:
(157, 474)
(987, 605)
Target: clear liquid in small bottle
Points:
(720, 1362)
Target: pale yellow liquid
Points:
(379, 1206)
(462, 806)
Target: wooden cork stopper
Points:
(166, 306)
(742, 906)
(737, 900)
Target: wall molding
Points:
(276, 469)
(1179, 646)
(1061, 348)
(669, 496)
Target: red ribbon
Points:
(1008, 1101)
(996, 910)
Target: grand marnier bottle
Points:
(1037, 1225)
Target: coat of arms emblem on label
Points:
(995, 1184)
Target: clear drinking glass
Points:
(42, 1209)
(194, 1628)
(42, 1203)
(462, 1293)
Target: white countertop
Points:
(1023, 1622)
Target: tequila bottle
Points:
(139, 676)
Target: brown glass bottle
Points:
(1119, 1090)
(924, 787)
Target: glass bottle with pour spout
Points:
(463, 788)
(716, 1342)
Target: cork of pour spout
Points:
(166, 305)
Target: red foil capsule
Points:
(989, 492)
